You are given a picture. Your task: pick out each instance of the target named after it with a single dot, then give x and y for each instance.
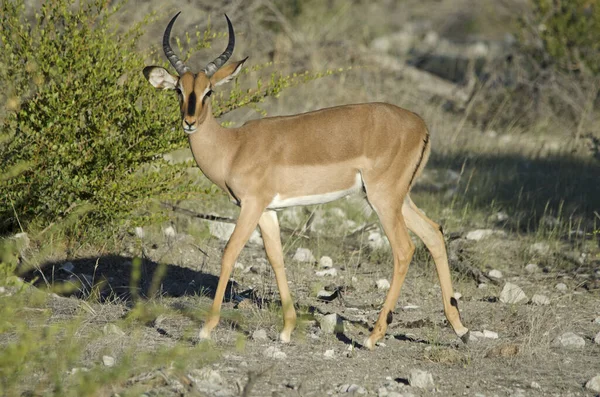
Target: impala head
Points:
(193, 89)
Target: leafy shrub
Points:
(80, 122)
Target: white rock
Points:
(495, 273)
(331, 324)
(501, 216)
(259, 335)
(326, 262)
(490, 334)
(383, 284)
(535, 385)
(532, 268)
(274, 352)
(327, 272)
(561, 286)
(482, 286)
(139, 232)
(421, 379)
(597, 339)
(594, 384)
(377, 241)
(540, 300)
(479, 234)
(597, 320)
(112, 329)
(513, 294)
(329, 353)
(539, 248)
(239, 266)
(570, 340)
(169, 231)
(353, 389)
(304, 255)
(108, 361)
(223, 232)
(68, 267)
(410, 307)
(477, 334)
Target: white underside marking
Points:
(278, 202)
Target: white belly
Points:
(279, 202)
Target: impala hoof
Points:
(204, 334)
(369, 343)
(465, 336)
(285, 337)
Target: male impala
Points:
(310, 158)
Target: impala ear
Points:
(227, 73)
(160, 78)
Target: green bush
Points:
(80, 123)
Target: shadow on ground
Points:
(110, 277)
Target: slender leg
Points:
(390, 216)
(269, 228)
(431, 234)
(247, 221)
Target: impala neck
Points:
(212, 147)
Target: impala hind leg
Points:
(249, 214)
(269, 228)
(431, 234)
(390, 216)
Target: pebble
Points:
(383, 284)
(327, 272)
(513, 294)
(326, 262)
(274, 352)
(376, 241)
(356, 389)
(457, 295)
(139, 232)
(535, 385)
(532, 268)
(597, 320)
(329, 353)
(539, 248)
(260, 335)
(561, 286)
(421, 379)
(479, 234)
(490, 334)
(482, 286)
(109, 329)
(570, 340)
(304, 255)
(495, 273)
(239, 266)
(540, 300)
(594, 384)
(331, 324)
(108, 361)
(597, 339)
(169, 231)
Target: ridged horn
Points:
(213, 66)
(174, 59)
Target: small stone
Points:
(482, 286)
(594, 384)
(490, 334)
(457, 295)
(477, 334)
(570, 340)
(561, 286)
(513, 294)
(326, 262)
(169, 231)
(597, 339)
(354, 279)
(532, 268)
(353, 389)
(327, 272)
(479, 234)
(410, 307)
(112, 329)
(539, 248)
(501, 216)
(239, 266)
(304, 255)
(535, 385)
(377, 241)
(329, 353)
(495, 273)
(421, 379)
(331, 324)
(139, 232)
(597, 320)
(540, 300)
(383, 284)
(274, 352)
(67, 267)
(108, 361)
(259, 335)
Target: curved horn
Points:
(213, 66)
(174, 59)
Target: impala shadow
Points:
(111, 276)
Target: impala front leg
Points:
(249, 214)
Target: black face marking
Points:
(206, 96)
(389, 318)
(191, 110)
(441, 229)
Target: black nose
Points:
(188, 123)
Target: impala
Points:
(312, 158)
